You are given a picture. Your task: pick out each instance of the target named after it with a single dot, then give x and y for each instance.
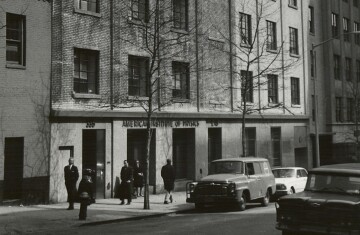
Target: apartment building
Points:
(336, 53)
(106, 66)
(25, 28)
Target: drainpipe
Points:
(197, 57)
(112, 92)
(231, 59)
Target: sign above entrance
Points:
(161, 123)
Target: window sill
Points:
(294, 55)
(293, 7)
(182, 31)
(90, 13)
(295, 105)
(137, 98)
(272, 51)
(273, 104)
(137, 22)
(85, 96)
(246, 45)
(15, 66)
(180, 100)
(216, 39)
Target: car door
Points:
(303, 179)
(253, 180)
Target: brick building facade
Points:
(101, 57)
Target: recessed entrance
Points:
(184, 153)
(13, 168)
(94, 158)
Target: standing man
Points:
(168, 175)
(126, 176)
(71, 174)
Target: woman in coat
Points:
(138, 179)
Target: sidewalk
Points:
(36, 218)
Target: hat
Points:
(88, 171)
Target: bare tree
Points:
(255, 55)
(160, 36)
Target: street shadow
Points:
(218, 209)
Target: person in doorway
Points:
(85, 193)
(71, 174)
(138, 178)
(126, 176)
(168, 175)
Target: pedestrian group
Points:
(130, 178)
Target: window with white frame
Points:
(311, 20)
(15, 39)
(180, 82)
(273, 96)
(334, 24)
(293, 3)
(346, 26)
(140, 10)
(86, 66)
(138, 76)
(295, 91)
(294, 43)
(245, 28)
(271, 35)
(356, 36)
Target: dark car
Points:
(233, 181)
(330, 203)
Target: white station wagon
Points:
(289, 180)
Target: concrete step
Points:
(11, 202)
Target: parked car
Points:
(330, 203)
(289, 180)
(233, 181)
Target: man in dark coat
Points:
(126, 176)
(168, 175)
(71, 174)
(85, 193)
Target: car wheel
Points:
(199, 206)
(242, 203)
(265, 200)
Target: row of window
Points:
(271, 40)
(139, 10)
(335, 28)
(86, 65)
(350, 109)
(273, 88)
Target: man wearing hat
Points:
(85, 193)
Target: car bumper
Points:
(280, 193)
(212, 199)
(318, 229)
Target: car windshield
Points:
(226, 167)
(333, 183)
(284, 173)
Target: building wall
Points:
(210, 104)
(24, 102)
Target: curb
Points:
(132, 218)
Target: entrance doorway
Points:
(184, 153)
(94, 158)
(13, 168)
(136, 150)
(214, 145)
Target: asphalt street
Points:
(256, 220)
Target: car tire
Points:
(199, 206)
(242, 203)
(265, 200)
